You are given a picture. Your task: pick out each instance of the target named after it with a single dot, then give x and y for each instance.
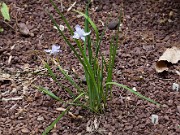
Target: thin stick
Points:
(8, 24)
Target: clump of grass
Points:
(97, 71)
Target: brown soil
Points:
(149, 27)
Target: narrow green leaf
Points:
(50, 71)
(64, 19)
(48, 92)
(53, 76)
(5, 12)
(68, 77)
(79, 96)
(50, 127)
(132, 91)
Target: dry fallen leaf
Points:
(92, 126)
(171, 55)
(96, 123)
(70, 113)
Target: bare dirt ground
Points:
(149, 27)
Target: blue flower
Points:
(55, 49)
(80, 33)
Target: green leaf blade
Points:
(47, 92)
(132, 91)
(5, 12)
(51, 126)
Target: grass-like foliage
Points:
(98, 71)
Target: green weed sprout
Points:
(4, 11)
(98, 72)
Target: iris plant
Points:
(98, 71)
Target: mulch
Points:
(149, 27)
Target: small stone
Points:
(40, 118)
(24, 30)
(113, 24)
(61, 27)
(166, 38)
(165, 106)
(99, 8)
(134, 88)
(166, 117)
(170, 102)
(25, 130)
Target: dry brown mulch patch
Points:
(149, 28)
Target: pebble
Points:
(99, 8)
(25, 130)
(40, 118)
(113, 25)
(24, 30)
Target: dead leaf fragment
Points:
(161, 66)
(70, 113)
(171, 55)
(92, 126)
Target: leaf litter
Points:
(171, 55)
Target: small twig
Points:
(8, 24)
(62, 7)
(12, 98)
(71, 6)
(165, 79)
